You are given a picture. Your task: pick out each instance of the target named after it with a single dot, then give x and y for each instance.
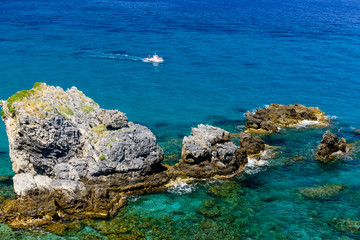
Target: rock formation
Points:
(73, 159)
(330, 146)
(208, 152)
(357, 131)
(275, 116)
(252, 145)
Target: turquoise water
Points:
(221, 59)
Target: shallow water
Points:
(221, 59)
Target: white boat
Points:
(154, 59)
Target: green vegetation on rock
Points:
(88, 109)
(38, 85)
(18, 97)
(99, 129)
(65, 111)
(2, 114)
(102, 158)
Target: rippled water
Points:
(221, 59)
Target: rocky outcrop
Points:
(208, 152)
(73, 159)
(272, 118)
(330, 147)
(252, 145)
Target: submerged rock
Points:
(73, 159)
(322, 192)
(271, 118)
(357, 131)
(330, 147)
(208, 152)
(346, 225)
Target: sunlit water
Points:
(221, 59)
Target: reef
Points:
(276, 116)
(322, 192)
(75, 160)
(209, 153)
(331, 147)
(345, 225)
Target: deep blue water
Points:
(222, 58)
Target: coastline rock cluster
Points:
(331, 147)
(272, 118)
(73, 159)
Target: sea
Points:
(221, 59)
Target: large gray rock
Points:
(208, 152)
(64, 145)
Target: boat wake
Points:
(113, 55)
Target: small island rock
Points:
(271, 118)
(208, 152)
(330, 146)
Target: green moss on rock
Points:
(18, 97)
(38, 85)
(99, 129)
(88, 109)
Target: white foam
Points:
(253, 111)
(254, 166)
(181, 188)
(306, 123)
(331, 117)
(132, 198)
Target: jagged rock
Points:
(66, 149)
(330, 146)
(252, 145)
(208, 152)
(271, 118)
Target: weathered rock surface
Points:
(252, 145)
(275, 116)
(330, 146)
(208, 152)
(72, 158)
